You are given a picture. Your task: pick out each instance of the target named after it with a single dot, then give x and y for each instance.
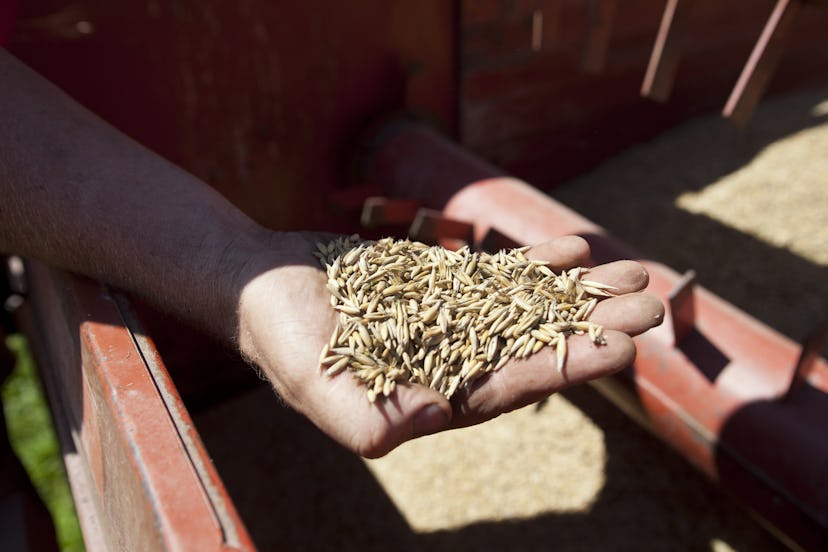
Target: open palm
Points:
(286, 319)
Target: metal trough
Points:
(743, 403)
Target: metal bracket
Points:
(427, 225)
(378, 211)
(431, 226)
(495, 241)
(601, 14)
(762, 62)
(13, 290)
(812, 347)
(664, 60)
(682, 306)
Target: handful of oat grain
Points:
(443, 318)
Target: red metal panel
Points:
(536, 114)
(260, 99)
(140, 475)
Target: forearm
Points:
(80, 195)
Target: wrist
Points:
(273, 280)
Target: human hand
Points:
(286, 319)
(113, 210)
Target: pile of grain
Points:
(442, 318)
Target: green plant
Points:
(32, 435)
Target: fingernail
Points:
(430, 419)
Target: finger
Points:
(625, 276)
(561, 253)
(523, 382)
(632, 314)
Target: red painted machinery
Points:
(279, 105)
(742, 402)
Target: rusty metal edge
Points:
(233, 530)
(84, 489)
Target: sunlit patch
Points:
(718, 545)
(786, 183)
(820, 109)
(523, 464)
